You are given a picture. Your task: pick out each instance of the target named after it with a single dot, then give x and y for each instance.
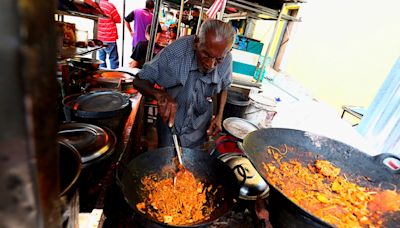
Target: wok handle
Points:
(390, 161)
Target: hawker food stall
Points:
(81, 151)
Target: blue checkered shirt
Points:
(175, 69)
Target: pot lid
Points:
(69, 166)
(238, 127)
(104, 103)
(91, 141)
(252, 185)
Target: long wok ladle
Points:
(177, 149)
(177, 146)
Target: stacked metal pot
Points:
(95, 121)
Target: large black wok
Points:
(368, 171)
(207, 169)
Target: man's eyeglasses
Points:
(208, 57)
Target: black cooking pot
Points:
(207, 169)
(70, 169)
(68, 105)
(96, 147)
(102, 108)
(365, 170)
(93, 143)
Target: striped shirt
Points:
(107, 30)
(175, 68)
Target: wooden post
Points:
(29, 192)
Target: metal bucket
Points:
(261, 110)
(236, 105)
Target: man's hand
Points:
(133, 64)
(215, 126)
(166, 107)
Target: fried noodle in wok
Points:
(181, 203)
(319, 189)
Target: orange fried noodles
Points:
(181, 203)
(319, 189)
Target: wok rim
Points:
(277, 189)
(151, 219)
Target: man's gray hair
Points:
(222, 31)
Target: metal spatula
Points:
(176, 144)
(177, 148)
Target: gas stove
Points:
(119, 214)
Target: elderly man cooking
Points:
(191, 71)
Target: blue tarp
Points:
(381, 123)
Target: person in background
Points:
(139, 53)
(191, 71)
(172, 31)
(194, 21)
(169, 19)
(142, 18)
(107, 32)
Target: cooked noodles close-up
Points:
(178, 200)
(322, 190)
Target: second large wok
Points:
(207, 169)
(359, 167)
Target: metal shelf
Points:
(79, 14)
(76, 51)
(84, 51)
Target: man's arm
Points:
(226, 80)
(221, 102)
(166, 104)
(158, 37)
(128, 26)
(216, 122)
(134, 64)
(155, 72)
(128, 19)
(159, 31)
